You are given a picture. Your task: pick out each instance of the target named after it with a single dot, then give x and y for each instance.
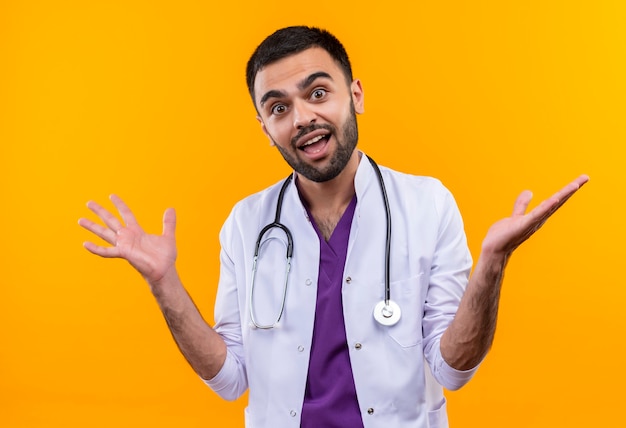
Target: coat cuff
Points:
(455, 379)
(224, 378)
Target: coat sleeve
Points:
(451, 265)
(231, 381)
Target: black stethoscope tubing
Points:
(383, 192)
(277, 223)
(384, 311)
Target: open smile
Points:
(315, 144)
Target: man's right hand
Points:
(153, 256)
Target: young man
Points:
(328, 320)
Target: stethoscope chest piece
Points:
(387, 312)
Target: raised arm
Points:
(468, 338)
(154, 257)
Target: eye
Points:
(318, 93)
(278, 109)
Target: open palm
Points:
(507, 234)
(152, 255)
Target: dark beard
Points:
(345, 147)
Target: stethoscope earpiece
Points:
(387, 313)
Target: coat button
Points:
(358, 346)
(370, 411)
(293, 413)
(348, 280)
(300, 348)
(308, 281)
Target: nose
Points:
(303, 114)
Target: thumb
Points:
(521, 203)
(169, 222)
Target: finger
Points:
(548, 207)
(108, 252)
(109, 219)
(169, 222)
(560, 197)
(566, 192)
(125, 212)
(581, 180)
(105, 233)
(521, 203)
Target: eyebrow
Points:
(274, 93)
(312, 78)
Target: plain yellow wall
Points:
(147, 99)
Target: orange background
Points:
(147, 99)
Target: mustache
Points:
(307, 129)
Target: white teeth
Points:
(313, 140)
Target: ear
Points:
(356, 89)
(264, 129)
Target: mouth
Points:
(314, 144)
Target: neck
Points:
(327, 201)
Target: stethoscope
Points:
(387, 312)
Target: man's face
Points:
(308, 110)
